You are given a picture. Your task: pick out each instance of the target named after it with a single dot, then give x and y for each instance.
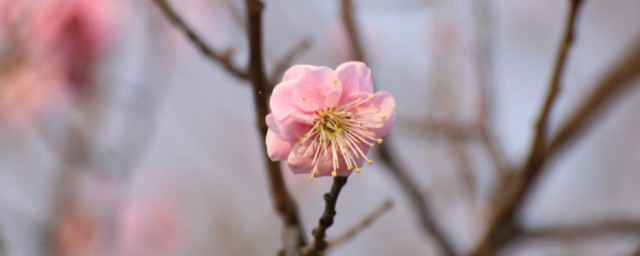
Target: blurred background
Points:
(117, 137)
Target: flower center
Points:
(341, 135)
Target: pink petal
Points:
(277, 148)
(301, 164)
(280, 102)
(385, 103)
(297, 161)
(355, 77)
(289, 128)
(295, 72)
(315, 88)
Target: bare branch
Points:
(319, 243)
(424, 211)
(617, 81)
(365, 223)
(513, 191)
(224, 59)
(282, 65)
(235, 13)
(282, 200)
(484, 64)
(595, 229)
(636, 252)
(352, 30)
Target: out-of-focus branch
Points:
(579, 232)
(224, 59)
(365, 223)
(284, 203)
(319, 243)
(636, 252)
(284, 63)
(350, 25)
(236, 14)
(484, 64)
(3, 250)
(418, 200)
(514, 190)
(424, 211)
(617, 81)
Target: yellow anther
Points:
(334, 173)
(370, 97)
(383, 117)
(369, 161)
(380, 141)
(335, 81)
(377, 110)
(311, 177)
(358, 170)
(358, 100)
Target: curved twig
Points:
(223, 59)
(319, 243)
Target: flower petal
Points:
(355, 77)
(280, 102)
(277, 148)
(315, 88)
(289, 128)
(295, 72)
(380, 109)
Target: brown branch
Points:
(365, 223)
(617, 81)
(223, 59)
(596, 229)
(319, 243)
(513, 191)
(636, 252)
(284, 203)
(401, 174)
(352, 30)
(284, 63)
(418, 201)
(484, 64)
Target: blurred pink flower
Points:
(74, 32)
(153, 225)
(78, 233)
(324, 122)
(27, 91)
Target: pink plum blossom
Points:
(324, 122)
(28, 91)
(78, 32)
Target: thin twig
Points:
(418, 200)
(401, 174)
(585, 231)
(513, 191)
(365, 223)
(236, 14)
(284, 63)
(319, 243)
(223, 59)
(484, 64)
(352, 30)
(617, 81)
(636, 252)
(284, 203)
